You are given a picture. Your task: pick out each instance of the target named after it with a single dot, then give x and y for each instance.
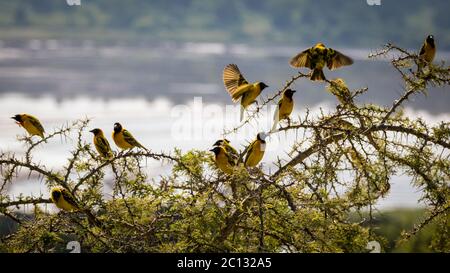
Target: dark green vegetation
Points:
(340, 22)
(390, 224)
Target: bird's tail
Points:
(276, 118)
(317, 75)
(242, 113)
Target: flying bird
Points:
(317, 57)
(101, 144)
(124, 139)
(239, 88)
(30, 123)
(284, 108)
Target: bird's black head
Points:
(215, 150)
(261, 136)
(221, 142)
(289, 93)
(430, 40)
(218, 142)
(262, 85)
(56, 194)
(117, 127)
(17, 118)
(95, 131)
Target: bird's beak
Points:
(92, 131)
(212, 150)
(14, 118)
(293, 91)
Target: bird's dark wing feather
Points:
(422, 50)
(104, 145)
(233, 78)
(36, 123)
(302, 59)
(338, 59)
(128, 137)
(248, 151)
(69, 199)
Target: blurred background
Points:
(143, 62)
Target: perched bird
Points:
(225, 143)
(124, 139)
(284, 108)
(101, 143)
(239, 88)
(223, 159)
(427, 52)
(317, 57)
(30, 123)
(63, 199)
(255, 151)
(339, 88)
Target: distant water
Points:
(155, 91)
(178, 72)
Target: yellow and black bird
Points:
(31, 124)
(101, 144)
(63, 199)
(284, 108)
(223, 159)
(317, 57)
(124, 139)
(239, 88)
(225, 143)
(255, 151)
(339, 88)
(427, 52)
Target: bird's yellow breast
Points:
(223, 163)
(256, 154)
(287, 105)
(120, 141)
(429, 53)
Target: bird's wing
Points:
(422, 50)
(232, 79)
(230, 148)
(231, 159)
(248, 151)
(128, 137)
(276, 117)
(69, 198)
(302, 59)
(36, 123)
(104, 145)
(338, 59)
(240, 91)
